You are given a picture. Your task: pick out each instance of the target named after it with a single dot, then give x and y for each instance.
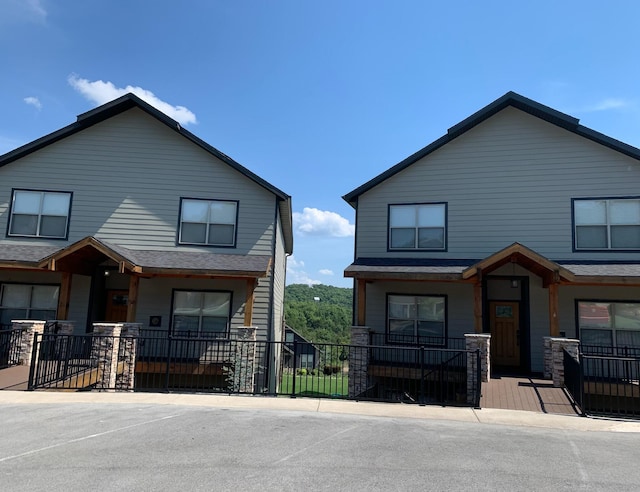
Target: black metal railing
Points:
(610, 351)
(10, 343)
(573, 378)
(165, 362)
(384, 339)
(611, 385)
(66, 361)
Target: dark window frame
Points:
(574, 239)
(445, 244)
(416, 341)
(180, 242)
(38, 236)
(613, 328)
(227, 334)
(33, 284)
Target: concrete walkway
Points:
(391, 410)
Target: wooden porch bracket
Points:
(64, 296)
(554, 323)
(362, 303)
(134, 283)
(248, 305)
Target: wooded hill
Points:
(320, 313)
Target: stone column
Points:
(358, 360)
(241, 371)
(104, 353)
(29, 328)
(554, 357)
(125, 378)
(475, 342)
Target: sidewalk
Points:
(391, 410)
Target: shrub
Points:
(327, 370)
(301, 372)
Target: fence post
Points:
(125, 379)
(554, 359)
(29, 328)
(105, 346)
(358, 360)
(422, 399)
(245, 357)
(478, 367)
(293, 368)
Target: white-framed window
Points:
(418, 226)
(25, 301)
(201, 313)
(607, 224)
(40, 214)
(416, 319)
(609, 324)
(209, 222)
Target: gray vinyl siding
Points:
(509, 179)
(127, 175)
(279, 277)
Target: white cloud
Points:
(101, 92)
(296, 273)
(325, 271)
(33, 101)
(316, 222)
(37, 9)
(609, 103)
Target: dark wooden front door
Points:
(505, 333)
(116, 306)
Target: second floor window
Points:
(210, 222)
(419, 226)
(612, 224)
(40, 214)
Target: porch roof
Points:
(468, 270)
(82, 257)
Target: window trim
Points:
(614, 338)
(35, 284)
(445, 337)
(53, 238)
(416, 204)
(227, 335)
(180, 242)
(608, 249)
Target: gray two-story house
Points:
(518, 222)
(126, 216)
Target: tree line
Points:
(320, 313)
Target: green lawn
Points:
(336, 385)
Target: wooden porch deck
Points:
(525, 393)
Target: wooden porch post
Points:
(477, 306)
(248, 304)
(362, 302)
(134, 282)
(64, 296)
(554, 324)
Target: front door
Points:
(116, 306)
(505, 333)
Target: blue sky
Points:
(317, 97)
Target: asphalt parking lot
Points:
(103, 442)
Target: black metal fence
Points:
(10, 342)
(604, 384)
(166, 362)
